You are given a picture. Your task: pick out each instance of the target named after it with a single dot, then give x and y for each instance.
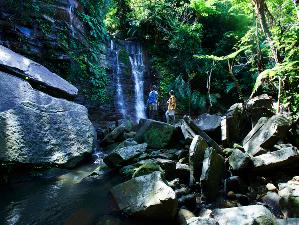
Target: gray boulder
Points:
(265, 134)
(260, 106)
(35, 72)
(36, 128)
(246, 215)
(207, 122)
(146, 197)
(239, 160)
(234, 124)
(212, 173)
(156, 134)
(196, 156)
(120, 156)
(116, 135)
(278, 159)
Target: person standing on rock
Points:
(171, 107)
(152, 103)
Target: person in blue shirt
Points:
(152, 103)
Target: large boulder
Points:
(211, 124)
(156, 134)
(36, 128)
(234, 124)
(146, 197)
(239, 160)
(246, 215)
(207, 122)
(120, 156)
(116, 135)
(35, 73)
(286, 156)
(196, 156)
(265, 134)
(260, 106)
(212, 173)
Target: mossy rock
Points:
(147, 168)
(156, 134)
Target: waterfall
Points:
(119, 89)
(136, 60)
(126, 61)
(72, 6)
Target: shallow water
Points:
(65, 200)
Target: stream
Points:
(63, 200)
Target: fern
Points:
(222, 58)
(290, 68)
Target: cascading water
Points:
(126, 60)
(119, 89)
(72, 6)
(136, 60)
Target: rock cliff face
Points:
(35, 29)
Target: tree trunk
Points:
(260, 8)
(259, 60)
(279, 95)
(209, 85)
(236, 81)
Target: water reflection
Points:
(71, 199)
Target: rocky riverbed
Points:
(179, 173)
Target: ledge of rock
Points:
(265, 134)
(35, 73)
(36, 128)
(285, 156)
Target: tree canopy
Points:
(257, 38)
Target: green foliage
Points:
(222, 58)
(190, 42)
(284, 30)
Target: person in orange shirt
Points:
(171, 107)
